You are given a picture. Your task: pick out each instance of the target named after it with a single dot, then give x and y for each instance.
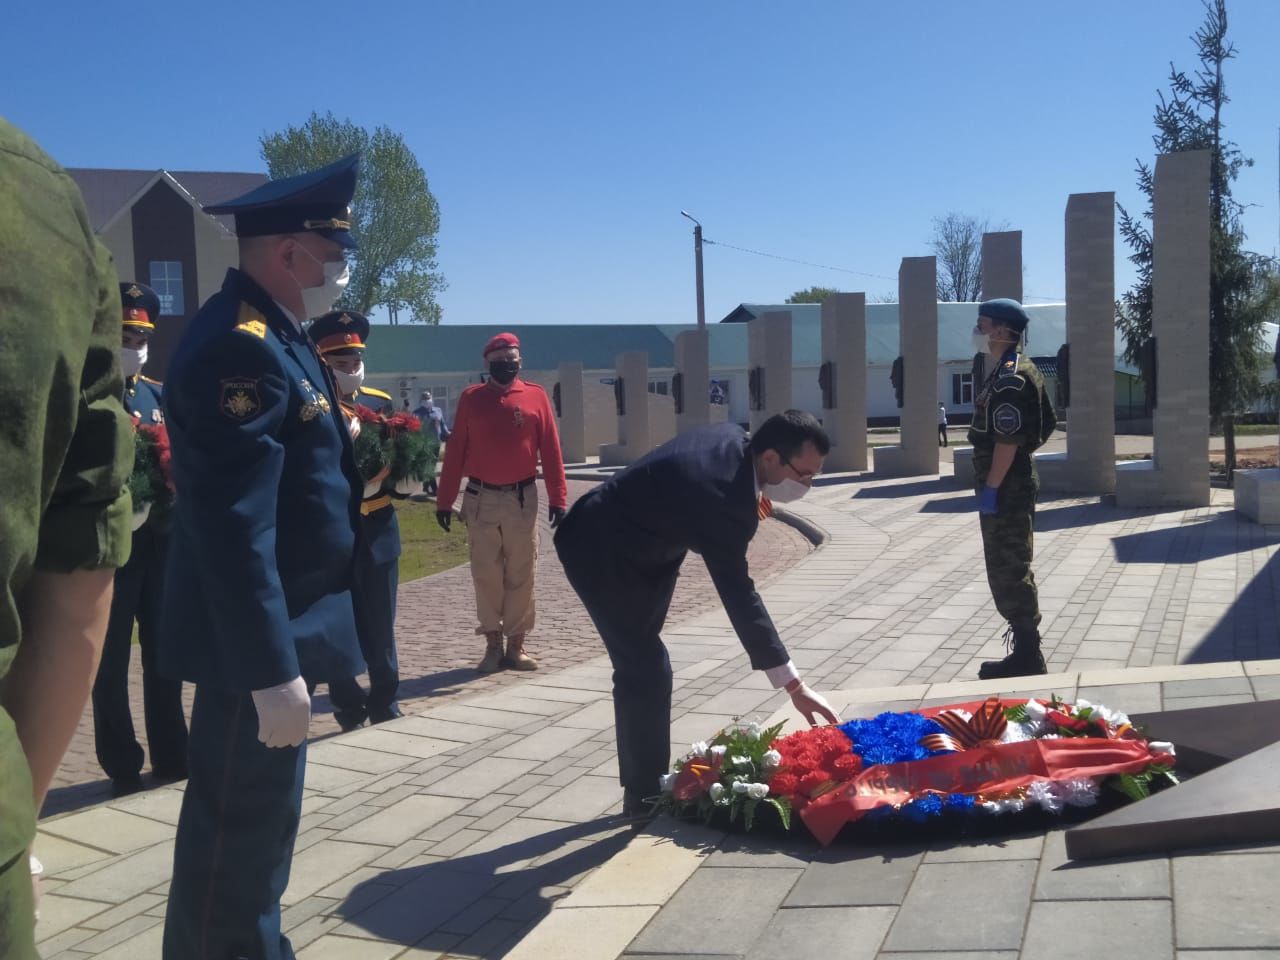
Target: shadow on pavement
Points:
(1191, 542)
(1247, 630)
(916, 488)
(507, 882)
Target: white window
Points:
(166, 281)
(962, 388)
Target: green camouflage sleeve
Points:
(1016, 411)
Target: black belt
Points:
(503, 486)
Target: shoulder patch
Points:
(1007, 419)
(250, 320)
(239, 398)
(375, 392)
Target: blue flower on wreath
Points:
(891, 738)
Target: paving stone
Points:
(953, 955)
(120, 933)
(58, 913)
(1126, 879)
(594, 717)
(108, 829)
(398, 744)
(60, 856)
(125, 877)
(948, 907)
(318, 867)
(334, 754)
(1094, 928)
(426, 898)
(1005, 848)
(850, 933)
(546, 744)
(485, 776)
(582, 799)
(142, 903)
(1226, 901)
(730, 907)
(144, 944)
(332, 947)
(649, 870)
(1206, 688)
(401, 821)
(739, 850)
(856, 878)
(163, 805)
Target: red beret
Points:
(502, 341)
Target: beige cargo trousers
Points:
(502, 526)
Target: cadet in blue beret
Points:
(1012, 416)
(260, 574)
(341, 337)
(139, 587)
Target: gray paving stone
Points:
(867, 878)
(1094, 928)
(1226, 901)
(851, 933)
(487, 775)
(426, 900)
(401, 821)
(546, 744)
(738, 850)
(730, 908)
(948, 907)
(125, 877)
(1206, 688)
(953, 955)
(582, 799)
(1063, 879)
(1005, 848)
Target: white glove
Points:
(284, 713)
(810, 702)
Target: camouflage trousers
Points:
(1007, 545)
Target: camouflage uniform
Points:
(1012, 407)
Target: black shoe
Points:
(636, 808)
(123, 786)
(1024, 659)
(168, 774)
(349, 721)
(392, 712)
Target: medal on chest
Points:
(517, 417)
(315, 403)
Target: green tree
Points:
(811, 295)
(394, 216)
(1242, 288)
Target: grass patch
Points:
(1253, 430)
(426, 549)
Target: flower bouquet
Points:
(372, 449)
(151, 482)
(413, 454)
(969, 760)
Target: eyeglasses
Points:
(802, 474)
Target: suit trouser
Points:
(502, 527)
(374, 598)
(139, 589)
(235, 838)
(629, 607)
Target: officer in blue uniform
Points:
(139, 586)
(258, 588)
(340, 337)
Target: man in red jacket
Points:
(499, 430)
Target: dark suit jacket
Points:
(258, 588)
(696, 492)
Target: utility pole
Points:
(697, 268)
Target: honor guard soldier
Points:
(340, 337)
(499, 431)
(258, 589)
(1012, 416)
(139, 587)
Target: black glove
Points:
(555, 515)
(444, 518)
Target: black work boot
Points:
(1024, 660)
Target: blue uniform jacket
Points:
(258, 589)
(696, 492)
(379, 525)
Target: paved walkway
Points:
(438, 648)
(484, 827)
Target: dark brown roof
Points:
(106, 192)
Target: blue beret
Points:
(1006, 312)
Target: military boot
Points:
(1024, 659)
(492, 661)
(516, 658)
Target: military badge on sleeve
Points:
(239, 399)
(1007, 419)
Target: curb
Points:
(807, 528)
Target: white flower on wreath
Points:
(1036, 711)
(771, 759)
(1044, 793)
(740, 787)
(718, 751)
(716, 792)
(753, 730)
(757, 791)
(1080, 793)
(1162, 746)
(738, 760)
(698, 748)
(666, 782)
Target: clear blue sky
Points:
(562, 139)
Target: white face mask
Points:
(785, 491)
(981, 343)
(349, 383)
(132, 360)
(318, 300)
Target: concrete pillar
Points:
(693, 367)
(631, 392)
(1178, 476)
(917, 453)
(1089, 464)
(1002, 265)
(571, 412)
(769, 365)
(844, 347)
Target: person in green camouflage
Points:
(1012, 416)
(66, 450)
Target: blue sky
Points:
(563, 139)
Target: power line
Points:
(824, 266)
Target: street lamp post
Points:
(697, 266)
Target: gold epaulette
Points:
(251, 320)
(375, 392)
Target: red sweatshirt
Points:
(497, 438)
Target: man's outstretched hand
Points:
(810, 703)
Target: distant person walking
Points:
(942, 425)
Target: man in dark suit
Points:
(622, 545)
(258, 587)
